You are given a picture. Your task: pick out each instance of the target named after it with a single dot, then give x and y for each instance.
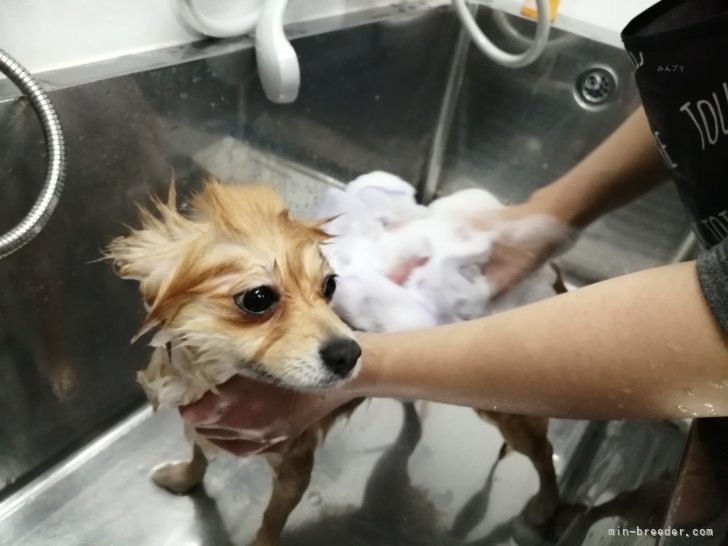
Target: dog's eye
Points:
(329, 286)
(257, 301)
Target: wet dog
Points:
(238, 286)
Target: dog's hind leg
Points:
(292, 474)
(528, 435)
(182, 477)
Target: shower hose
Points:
(47, 200)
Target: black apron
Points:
(680, 52)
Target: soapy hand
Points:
(524, 239)
(247, 417)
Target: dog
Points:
(238, 286)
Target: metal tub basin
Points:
(76, 440)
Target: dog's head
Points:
(238, 283)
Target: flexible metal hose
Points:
(39, 215)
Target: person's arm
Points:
(645, 345)
(623, 167)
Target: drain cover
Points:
(595, 87)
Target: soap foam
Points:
(378, 225)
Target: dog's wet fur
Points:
(238, 286)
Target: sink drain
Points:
(595, 87)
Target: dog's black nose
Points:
(340, 355)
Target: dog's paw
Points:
(540, 509)
(180, 478)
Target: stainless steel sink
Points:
(76, 441)
(514, 131)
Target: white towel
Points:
(379, 225)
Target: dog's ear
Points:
(316, 228)
(166, 297)
(151, 254)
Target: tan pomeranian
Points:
(237, 286)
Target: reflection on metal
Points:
(428, 189)
(74, 464)
(688, 249)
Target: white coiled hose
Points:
(511, 60)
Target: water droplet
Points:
(620, 406)
(315, 498)
(612, 396)
(627, 390)
(709, 406)
(683, 409)
(688, 391)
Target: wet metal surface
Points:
(66, 367)
(395, 474)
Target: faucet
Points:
(280, 73)
(278, 66)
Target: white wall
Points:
(50, 34)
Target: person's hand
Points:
(525, 239)
(247, 417)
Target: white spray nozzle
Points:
(278, 65)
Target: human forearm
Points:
(626, 165)
(639, 346)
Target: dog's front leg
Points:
(182, 477)
(292, 474)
